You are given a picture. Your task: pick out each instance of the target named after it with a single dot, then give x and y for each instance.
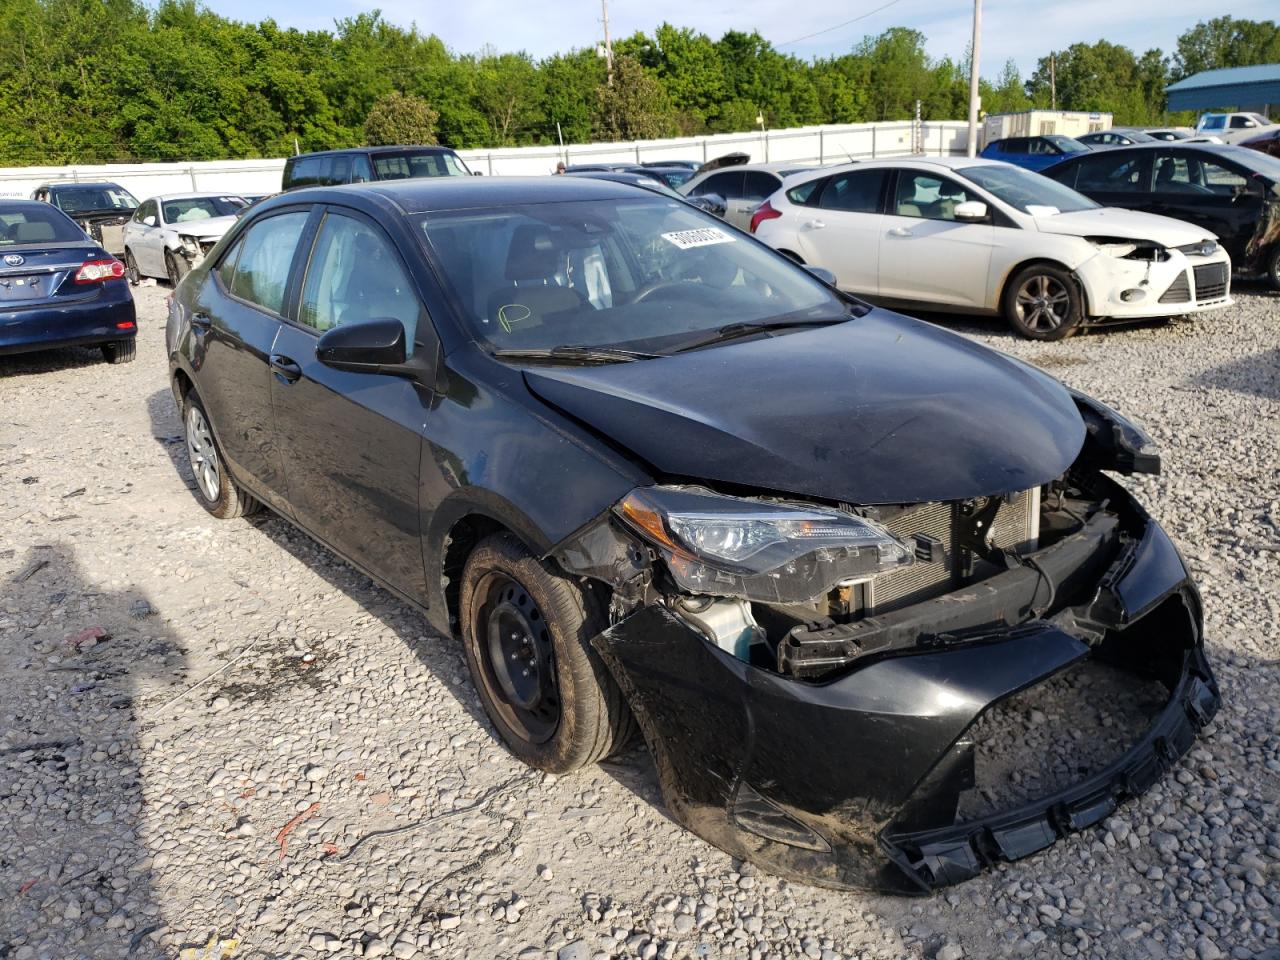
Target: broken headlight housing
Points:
(1125, 249)
(190, 245)
(771, 552)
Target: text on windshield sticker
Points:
(703, 237)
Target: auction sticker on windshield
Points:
(703, 237)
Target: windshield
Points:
(644, 272)
(1067, 144)
(1138, 136)
(186, 209)
(40, 224)
(1214, 122)
(413, 164)
(1029, 192)
(92, 199)
(672, 178)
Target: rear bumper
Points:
(86, 323)
(856, 782)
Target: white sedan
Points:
(169, 235)
(982, 236)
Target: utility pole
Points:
(973, 78)
(1053, 81)
(608, 44)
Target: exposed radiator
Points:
(1016, 527)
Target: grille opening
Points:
(1211, 281)
(1057, 734)
(1179, 291)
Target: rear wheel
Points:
(215, 489)
(121, 351)
(1042, 302)
(1273, 268)
(131, 268)
(527, 635)
(175, 267)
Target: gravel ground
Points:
(330, 786)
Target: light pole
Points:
(973, 78)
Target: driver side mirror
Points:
(971, 211)
(375, 346)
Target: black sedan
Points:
(58, 288)
(1230, 191)
(648, 471)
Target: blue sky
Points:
(1021, 30)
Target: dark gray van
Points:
(362, 164)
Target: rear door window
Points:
(855, 192)
(727, 185)
(806, 194)
(1014, 145)
(262, 271)
(306, 171)
(1110, 173)
(757, 185)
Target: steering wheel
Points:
(650, 289)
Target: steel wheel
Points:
(203, 454)
(1043, 303)
(517, 658)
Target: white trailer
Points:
(1039, 123)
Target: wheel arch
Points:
(1017, 268)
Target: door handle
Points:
(284, 368)
(815, 225)
(900, 232)
(201, 321)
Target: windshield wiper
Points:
(576, 352)
(732, 331)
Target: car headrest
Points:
(37, 231)
(534, 253)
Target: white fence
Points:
(816, 145)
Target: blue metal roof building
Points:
(1252, 88)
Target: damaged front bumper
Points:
(856, 780)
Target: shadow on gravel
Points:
(75, 873)
(1258, 374)
(442, 656)
(47, 361)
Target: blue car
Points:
(1034, 153)
(58, 287)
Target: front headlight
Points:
(190, 245)
(724, 546)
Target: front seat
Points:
(536, 281)
(1165, 173)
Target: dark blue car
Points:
(58, 287)
(1034, 153)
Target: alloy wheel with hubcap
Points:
(131, 268)
(1043, 303)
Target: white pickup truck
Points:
(1233, 127)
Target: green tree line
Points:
(86, 81)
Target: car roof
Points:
(194, 194)
(429, 194)
(1228, 151)
(433, 148)
(79, 183)
(14, 204)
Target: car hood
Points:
(211, 227)
(1128, 224)
(882, 409)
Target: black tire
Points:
(792, 256)
(120, 351)
(225, 500)
(131, 269)
(563, 710)
(1043, 302)
(1273, 267)
(175, 268)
